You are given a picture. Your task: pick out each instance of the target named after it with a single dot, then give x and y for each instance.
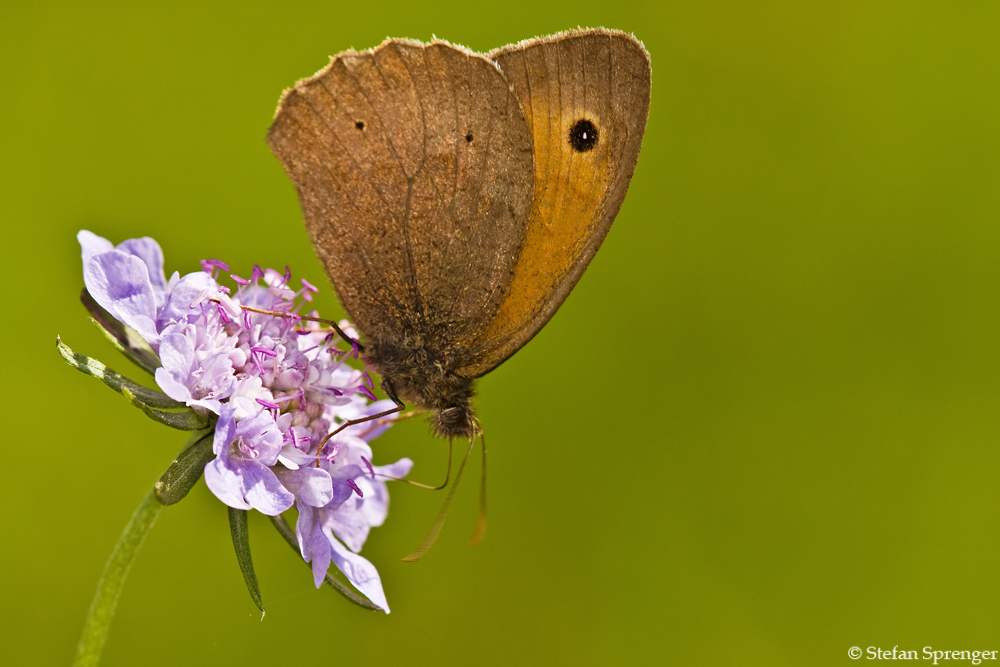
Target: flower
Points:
(275, 385)
(195, 382)
(127, 281)
(241, 474)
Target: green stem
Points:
(102, 608)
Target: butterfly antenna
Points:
(481, 524)
(439, 521)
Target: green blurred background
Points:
(762, 430)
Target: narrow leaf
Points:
(241, 540)
(127, 341)
(186, 469)
(185, 420)
(286, 532)
(116, 381)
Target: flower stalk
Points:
(102, 608)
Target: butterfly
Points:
(456, 198)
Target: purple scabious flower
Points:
(241, 474)
(127, 280)
(237, 350)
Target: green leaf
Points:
(186, 469)
(241, 540)
(145, 399)
(116, 381)
(286, 532)
(125, 340)
(185, 420)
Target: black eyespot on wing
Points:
(468, 138)
(583, 136)
(360, 125)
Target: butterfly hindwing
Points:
(585, 95)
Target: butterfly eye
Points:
(583, 136)
(360, 125)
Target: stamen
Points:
(225, 290)
(332, 455)
(202, 295)
(288, 397)
(268, 404)
(368, 380)
(371, 470)
(354, 486)
(223, 315)
(242, 282)
(264, 351)
(309, 287)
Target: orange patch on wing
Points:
(569, 188)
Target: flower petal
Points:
(342, 492)
(91, 244)
(320, 554)
(178, 361)
(311, 486)
(151, 255)
(359, 571)
(350, 524)
(262, 489)
(225, 483)
(303, 530)
(225, 431)
(185, 292)
(120, 283)
(397, 470)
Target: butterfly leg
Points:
(385, 413)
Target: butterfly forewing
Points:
(413, 166)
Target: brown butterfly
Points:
(456, 198)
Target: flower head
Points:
(278, 386)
